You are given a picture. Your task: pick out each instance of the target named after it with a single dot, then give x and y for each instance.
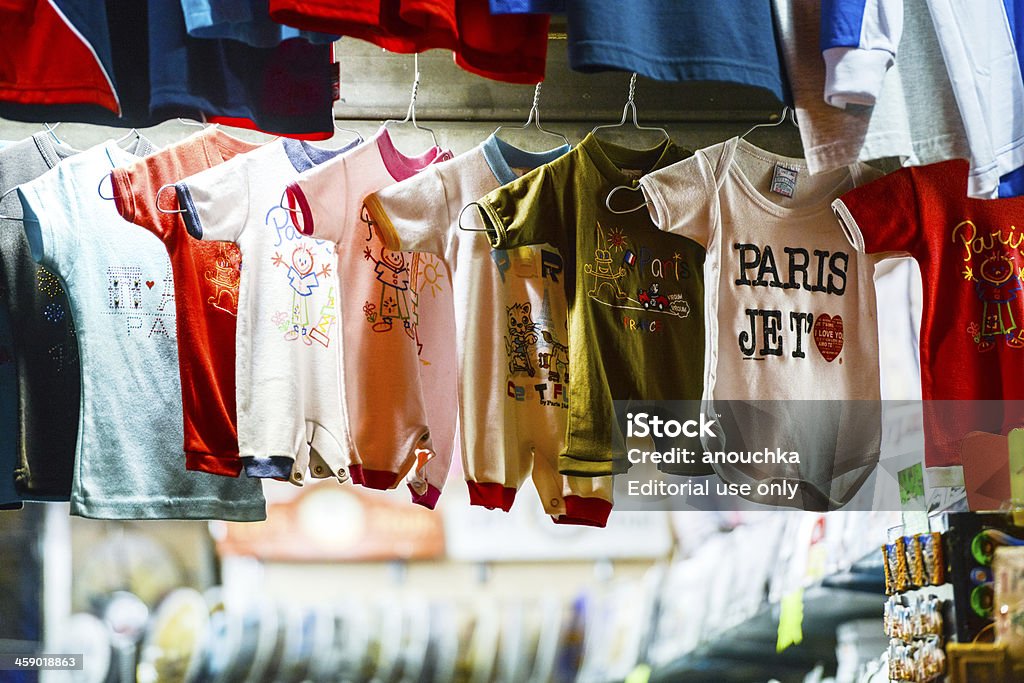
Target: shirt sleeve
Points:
(319, 201)
(216, 201)
(412, 215)
(51, 220)
(683, 198)
(136, 198)
(882, 216)
(529, 210)
(858, 43)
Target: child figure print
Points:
(396, 302)
(313, 308)
(992, 264)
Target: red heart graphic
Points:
(828, 336)
(150, 283)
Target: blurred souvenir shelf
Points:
(747, 651)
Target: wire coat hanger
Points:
(787, 112)
(50, 128)
(631, 108)
(108, 176)
(359, 136)
(410, 114)
(463, 213)
(534, 118)
(156, 201)
(608, 200)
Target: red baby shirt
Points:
(510, 48)
(971, 253)
(206, 277)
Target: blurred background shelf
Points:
(746, 652)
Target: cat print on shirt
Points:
(537, 357)
(554, 359)
(992, 262)
(521, 337)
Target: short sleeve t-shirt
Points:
(396, 319)
(206, 277)
(287, 89)
(972, 323)
(914, 117)
(118, 278)
(792, 324)
(512, 49)
(512, 337)
(981, 59)
(44, 346)
(287, 334)
(636, 313)
(668, 40)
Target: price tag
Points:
(791, 620)
(912, 500)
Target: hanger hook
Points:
(462, 226)
(779, 119)
(99, 187)
(411, 114)
(156, 201)
(51, 129)
(534, 116)
(618, 212)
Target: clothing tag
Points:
(521, 171)
(336, 81)
(633, 174)
(791, 620)
(784, 180)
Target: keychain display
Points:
(908, 618)
(919, 661)
(913, 562)
(933, 558)
(897, 578)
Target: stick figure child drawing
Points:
(303, 281)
